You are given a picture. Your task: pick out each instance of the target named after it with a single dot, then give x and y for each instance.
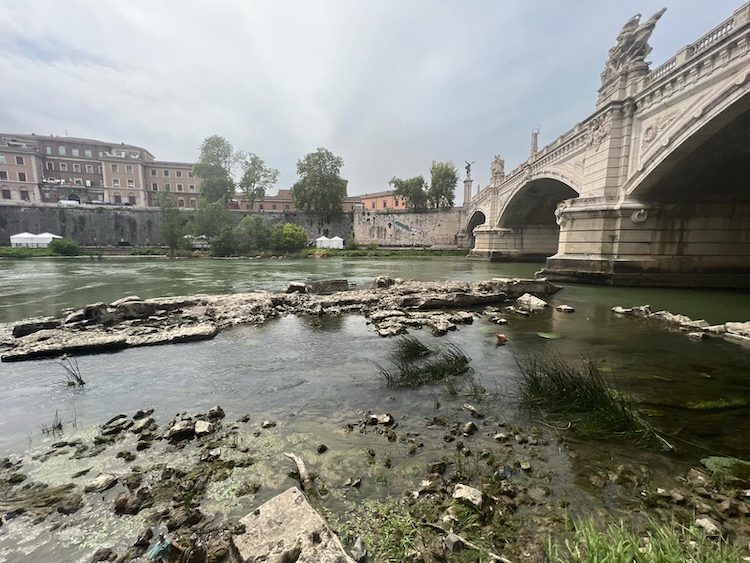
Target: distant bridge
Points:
(653, 188)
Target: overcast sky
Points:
(389, 85)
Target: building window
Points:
(50, 166)
(286, 207)
(179, 187)
(2, 159)
(49, 150)
(372, 204)
(77, 168)
(22, 176)
(89, 169)
(166, 173)
(131, 184)
(131, 199)
(78, 182)
(193, 202)
(3, 175)
(25, 195)
(166, 187)
(115, 168)
(191, 187)
(116, 183)
(129, 168)
(155, 187)
(63, 167)
(20, 161)
(99, 168)
(384, 204)
(75, 152)
(61, 150)
(178, 173)
(153, 172)
(260, 207)
(6, 193)
(191, 175)
(88, 153)
(181, 202)
(273, 207)
(118, 198)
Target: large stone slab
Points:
(287, 528)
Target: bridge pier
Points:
(644, 244)
(532, 243)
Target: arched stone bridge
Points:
(653, 188)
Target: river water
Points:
(323, 370)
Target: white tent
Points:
(336, 242)
(32, 241)
(323, 242)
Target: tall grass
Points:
(578, 395)
(55, 428)
(663, 543)
(414, 364)
(73, 376)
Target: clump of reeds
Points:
(55, 428)
(415, 364)
(662, 542)
(579, 396)
(73, 377)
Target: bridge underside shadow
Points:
(686, 224)
(527, 230)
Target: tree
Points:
(320, 187)
(172, 225)
(224, 244)
(253, 233)
(257, 178)
(211, 218)
(288, 237)
(215, 164)
(413, 190)
(443, 180)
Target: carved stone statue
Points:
(468, 168)
(632, 45)
(497, 169)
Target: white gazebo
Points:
(323, 242)
(30, 240)
(336, 242)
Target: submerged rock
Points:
(531, 302)
(287, 528)
(101, 483)
(182, 430)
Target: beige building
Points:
(20, 170)
(56, 168)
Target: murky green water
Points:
(314, 375)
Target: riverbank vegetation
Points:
(58, 247)
(578, 397)
(414, 364)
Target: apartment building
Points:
(383, 201)
(283, 201)
(20, 170)
(89, 171)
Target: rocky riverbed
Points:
(471, 482)
(394, 306)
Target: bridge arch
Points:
(701, 145)
(477, 218)
(535, 201)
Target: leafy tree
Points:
(413, 190)
(320, 186)
(288, 237)
(215, 164)
(211, 218)
(443, 180)
(64, 247)
(224, 244)
(257, 178)
(253, 233)
(172, 225)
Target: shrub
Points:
(253, 233)
(224, 243)
(288, 237)
(65, 247)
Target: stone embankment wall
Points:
(434, 228)
(92, 226)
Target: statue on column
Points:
(632, 45)
(497, 169)
(468, 168)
